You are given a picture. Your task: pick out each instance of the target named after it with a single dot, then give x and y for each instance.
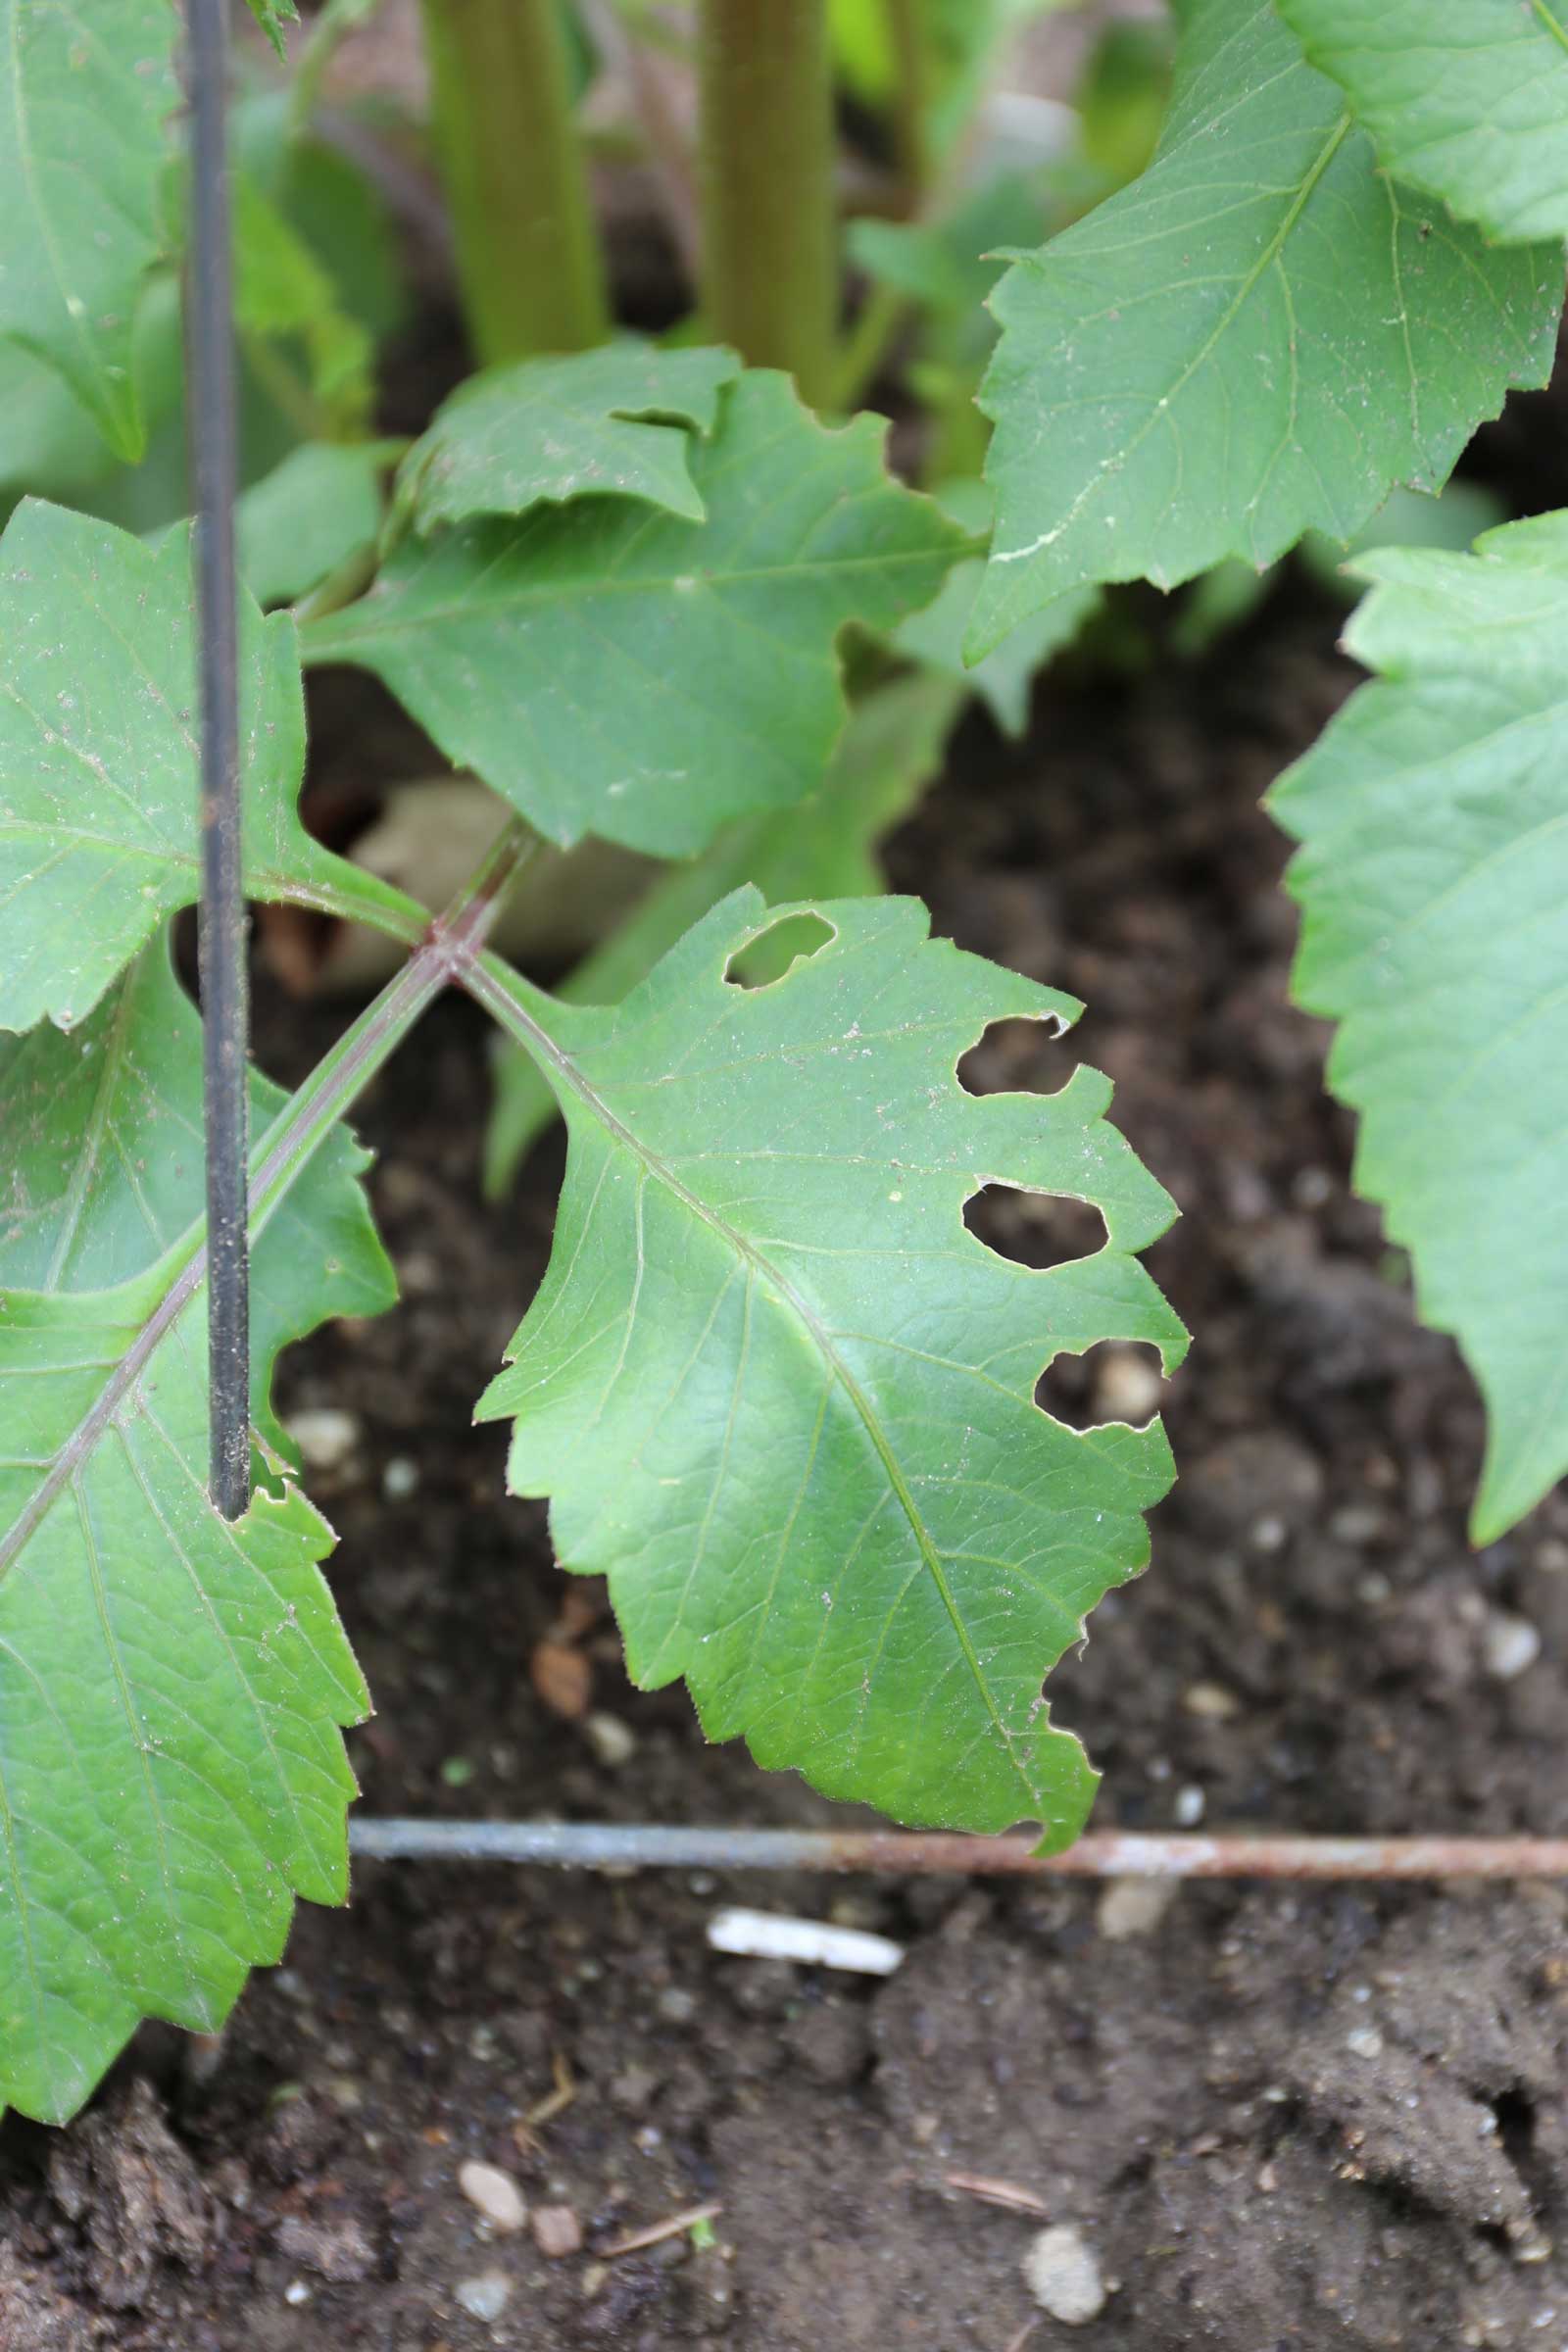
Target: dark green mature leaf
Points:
(172, 1687)
(615, 669)
(1263, 334)
(1434, 879)
(1467, 99)
(98, 773)
(614, 422)
(782, 1397)
(82, 147)
(888, 753)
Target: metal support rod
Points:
(209, 372)
(1105, 1854)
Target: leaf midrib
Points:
(322, 642)
(497, 987)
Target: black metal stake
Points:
(210, 373)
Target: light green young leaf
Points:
(172, 1687)
(1467, 99)
(782, 1397)
(272, 16)
(98, 763)
(888, 753)
(308, 515)
(615, 669)
(103, 1166)
(1433, 875)
(1004, 677)
(282, 291)
(82, 147)
(617, 422)
(1263, 334)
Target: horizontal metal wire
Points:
(1106, 1854)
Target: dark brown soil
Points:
(1281, 2118)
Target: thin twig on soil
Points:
(555, 2102)
(1005, 2194)
(674, 2225)
(1105, 1854)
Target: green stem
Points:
(769, 263)
(528, 256)
(908, 42)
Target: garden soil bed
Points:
(1281, 2118)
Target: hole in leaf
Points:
(794, 940)
(1115, 1380)
(1034, 1229)
(1017, 1056)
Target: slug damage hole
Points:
(1034, 1229)
(775, 953)
(1115, 1380)
(1017, 1056)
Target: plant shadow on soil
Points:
(1281, 2118)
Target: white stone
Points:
(495, 2194)
(486, 2296)
(1366, 2042)
(1064, 2276)
(1212, 1701)
(1129, 1907)
(1128, 1387)
(324, 1437)
(612, 1742)
(1509, 1644)
(1190, 1806)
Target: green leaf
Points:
(615, 669)
(281, 290)
(615, 421)
(1467, 99)
(98, 763)
(308, 515)
(888, 753)
(104, 1165)
(964, 40)
(172, 1685)
(82, 148)
(1434, 881)
(272, 16)
(781, 1398)
(1262, 335)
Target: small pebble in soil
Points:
(1212, 1701)
(324, 1436)
(1129, 1907)
(1190, 1806)
(612, 1742)
(676, 2006)
(557, 2232)
(486, 2294)
(1366, 2042)
(400, 1478)
(495, 2194)
(1063, 2276)
(296, 2293)
(1128, 1387)
(1509, 1644)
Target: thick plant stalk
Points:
(769, 268)
(528, 257)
